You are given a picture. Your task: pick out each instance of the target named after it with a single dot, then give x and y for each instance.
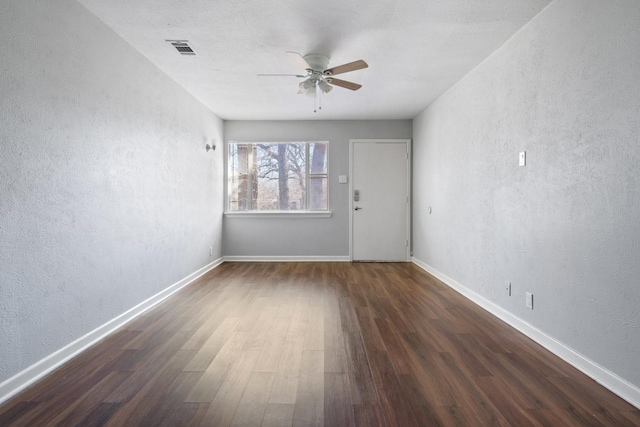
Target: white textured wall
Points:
(107, 193)
(566, 227)
(269, 237)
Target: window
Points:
(278, 176)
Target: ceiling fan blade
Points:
(343, 83)
(301, 61)
(281, 75)
(345, 68)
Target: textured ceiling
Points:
(416, 49)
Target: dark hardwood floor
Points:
(334, 344)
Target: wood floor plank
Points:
(314, 334)
(421, 407)
(181, 414)
(348, 317)
(455, 416)
(469, 394)
(503, 401)
(396, 409)
(76, 412)
(523, 396)
(223, 408)
(157, 362)
(335, 357)
(588, 404)
(211, 347)
(99, 415)
(249, 311)
(356, 295)
(254, 401)
(51, 400)
(309, 404)
(394, 346)
(285, 384)
(213, 377)
(467, 355)
(138, 398)
(169, 407)
(363, 388)
(437, 388)
(300, 318)
(368, 415)
(257, 337)
(335, 344)
(632, 415)
(17, 413)
(273, 346)
(278, 415)
(338, 410)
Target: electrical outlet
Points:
(210, 250)
(529, 300)
(508, 289)
(522, 158)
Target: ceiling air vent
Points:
(182, 46)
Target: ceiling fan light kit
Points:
(318, 78)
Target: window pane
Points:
(318, 186)
(274, 176)
(239, 176)
(281, 175)
(318, 156)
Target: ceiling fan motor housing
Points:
(317, 62)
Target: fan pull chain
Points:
(317, 104)
(315, 98)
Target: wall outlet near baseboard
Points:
(508, 289)
(529, 300)
(210, 250)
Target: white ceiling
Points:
(416, 49)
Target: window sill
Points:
(279, 214)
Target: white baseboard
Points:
(38, 370)
(287, 258)
(606, 378)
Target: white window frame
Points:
(277, 213)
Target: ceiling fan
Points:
(319, 78)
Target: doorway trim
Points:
(352, 142)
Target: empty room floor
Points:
(334, 344)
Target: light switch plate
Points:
(342, 179)
(522, 158)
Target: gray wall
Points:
(107, 195)
(270, 237)
(566, 227)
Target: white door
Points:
(379, 200)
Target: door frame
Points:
(352, 142)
